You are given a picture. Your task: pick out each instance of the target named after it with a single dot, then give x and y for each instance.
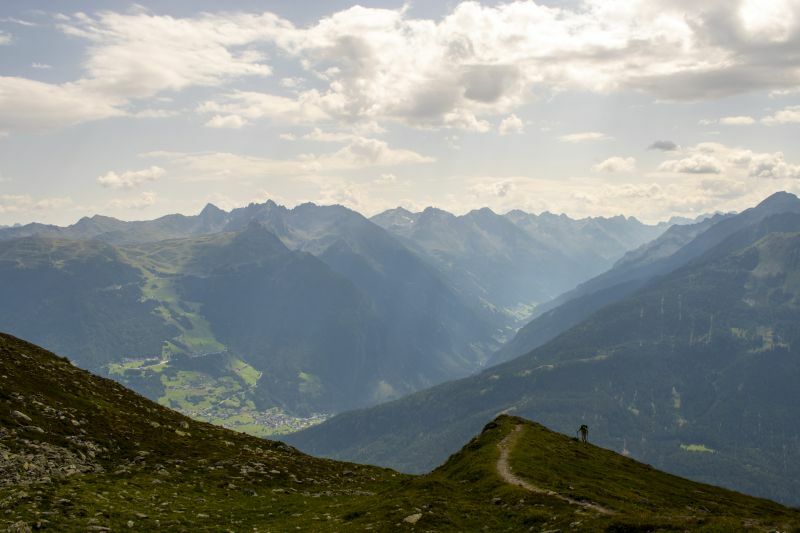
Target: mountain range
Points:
(692, 367)
(266, 318)
(82, 453)
(514, 262)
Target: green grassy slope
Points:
(79, 452)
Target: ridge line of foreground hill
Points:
(506, 446)
(79, 452)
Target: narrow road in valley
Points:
(504, 470)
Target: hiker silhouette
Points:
(583, 431)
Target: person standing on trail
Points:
(583, 431)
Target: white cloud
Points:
(21, 22)
(307, 107)
(769, 20)
(142, 201)
(772, 166)
(291, 83)
(716, 158)
(583, 137)
(130, 178)
(694, 164)
(10, 203)
(363, 152)
(380, 64)
(135, 56)
(787, 115)
(359, 152)
(329, 136)
(52, 203)
(511, 124)
(228, 121)
(616, 164)
(41, 66)
(737, 121)
(476, 62)
(5, 38)
(139, 54)
(154, 113)
(32, 105)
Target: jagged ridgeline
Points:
(266, 319)
(225, 321)
(79, 452)
(695, 372)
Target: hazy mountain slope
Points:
(675, 248)
(227, 325)
(107, 229)
(694, 373)
(406, 292)
(509, 264)
(596, 240)
(490, 259)
(630, 273)
(81, 453)
(309, 331)
(81, 298)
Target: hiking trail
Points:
(504, 470)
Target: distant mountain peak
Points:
(483, 211)
(399, 210)
(435, 211)
(781, 200)
(211, 210)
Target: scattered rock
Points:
(412, 518)
(19, 527)
(21, 416)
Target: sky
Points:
(647, 108)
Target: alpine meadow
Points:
(471, 265)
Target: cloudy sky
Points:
(650, 108)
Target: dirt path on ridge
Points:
(504, 470)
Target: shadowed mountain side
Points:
(307, 338)
(80, 298)
(694, 373)
(406, 292)
(676, 247)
